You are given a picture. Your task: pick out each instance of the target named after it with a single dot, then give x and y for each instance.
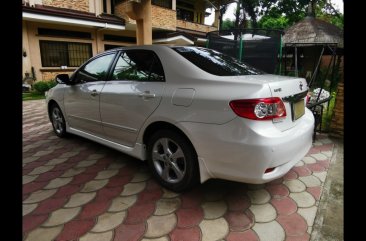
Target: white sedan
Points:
(193, 113)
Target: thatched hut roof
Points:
(313, 31)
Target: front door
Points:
(82, 99)
(132, 95)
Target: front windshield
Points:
(216, 63)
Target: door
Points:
(82, 99)
(132, 95)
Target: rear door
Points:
(131, 96)
(81, 100)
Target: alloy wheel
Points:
(57, 120)
(169, 160)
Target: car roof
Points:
(150, 47)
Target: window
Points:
(110, 9)
(56, 54)
(97, 69)
(105, 6)
(185, 11)
(185, 15)
(113, 5)
(140, 65)
(162, 3)
(215, 63)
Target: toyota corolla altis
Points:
(193, 113)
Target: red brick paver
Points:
(75, 189)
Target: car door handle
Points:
(94, 93)
(146, 95)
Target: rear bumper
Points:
(241, 150)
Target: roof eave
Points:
(62, 17)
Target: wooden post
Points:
(296, 70)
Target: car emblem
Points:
(300, 85)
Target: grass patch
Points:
(32, 96)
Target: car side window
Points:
(95, 70)
(138, 65)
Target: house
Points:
(59, 35)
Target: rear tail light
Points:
(259, 109)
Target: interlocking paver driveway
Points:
(74, 189)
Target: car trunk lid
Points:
(291, 90)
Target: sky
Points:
(338, 4)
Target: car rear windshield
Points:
(216, 63)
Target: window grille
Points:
(56, 54)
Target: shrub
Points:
(327, 116)
(42, 86)
(51, 84)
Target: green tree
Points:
(245, 14)
(296, 10)
(292, 10)
(223, 10)
(269, 22)
(284, 13)
(325, 11)
(276, 13)
(227, 24)
(251, 7)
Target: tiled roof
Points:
(75, 14)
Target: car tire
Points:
(173, 160)
(58, 121)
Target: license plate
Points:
(298, 109)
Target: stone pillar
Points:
(99, 41)
(109, 7)
(26, 52)
(199, 11)
(34, 48)
(96, 7)
(144, 25)
(141, 12)
(33, 2)
(217, 19)
(174, 5)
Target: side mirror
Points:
(63, 79)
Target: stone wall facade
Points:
(50, 75)
(163, 18)
(80, 5)
(195, 26)
(120, 11)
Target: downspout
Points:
(97, 37)
(103, 28)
